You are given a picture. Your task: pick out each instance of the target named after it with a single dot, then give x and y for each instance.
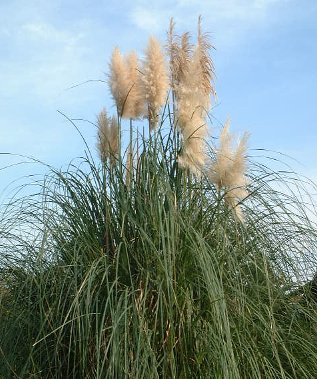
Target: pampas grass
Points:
(135, 104)
(108, 137)
(134, 268)
(155, 80)
(180, 51)
(125, 84)
(155, 279)
(228, 170)
(193, 92)
(118, 81)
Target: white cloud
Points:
(146, 19)
(47, 59)
(264, 4)
(228, 19)
(43, 31)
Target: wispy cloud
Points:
(46, 58)
(227, 19)
(146, 19)
(40, 56)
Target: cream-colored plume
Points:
(108, 141)
(118, 80)
(125, 84)
(155, 80)
(227, 172)
(173, 52)
(135, 106)
(180, 51)
(193, 93)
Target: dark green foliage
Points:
(152, 277)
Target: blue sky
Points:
(265, 60)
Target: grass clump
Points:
(143, 267)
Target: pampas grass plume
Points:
(192, 103)
(227, 172)
(108, 137)
(118, 80)
(155, 80)
(135, 106)
(180, 51)
(193, 93)
(125, 84)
